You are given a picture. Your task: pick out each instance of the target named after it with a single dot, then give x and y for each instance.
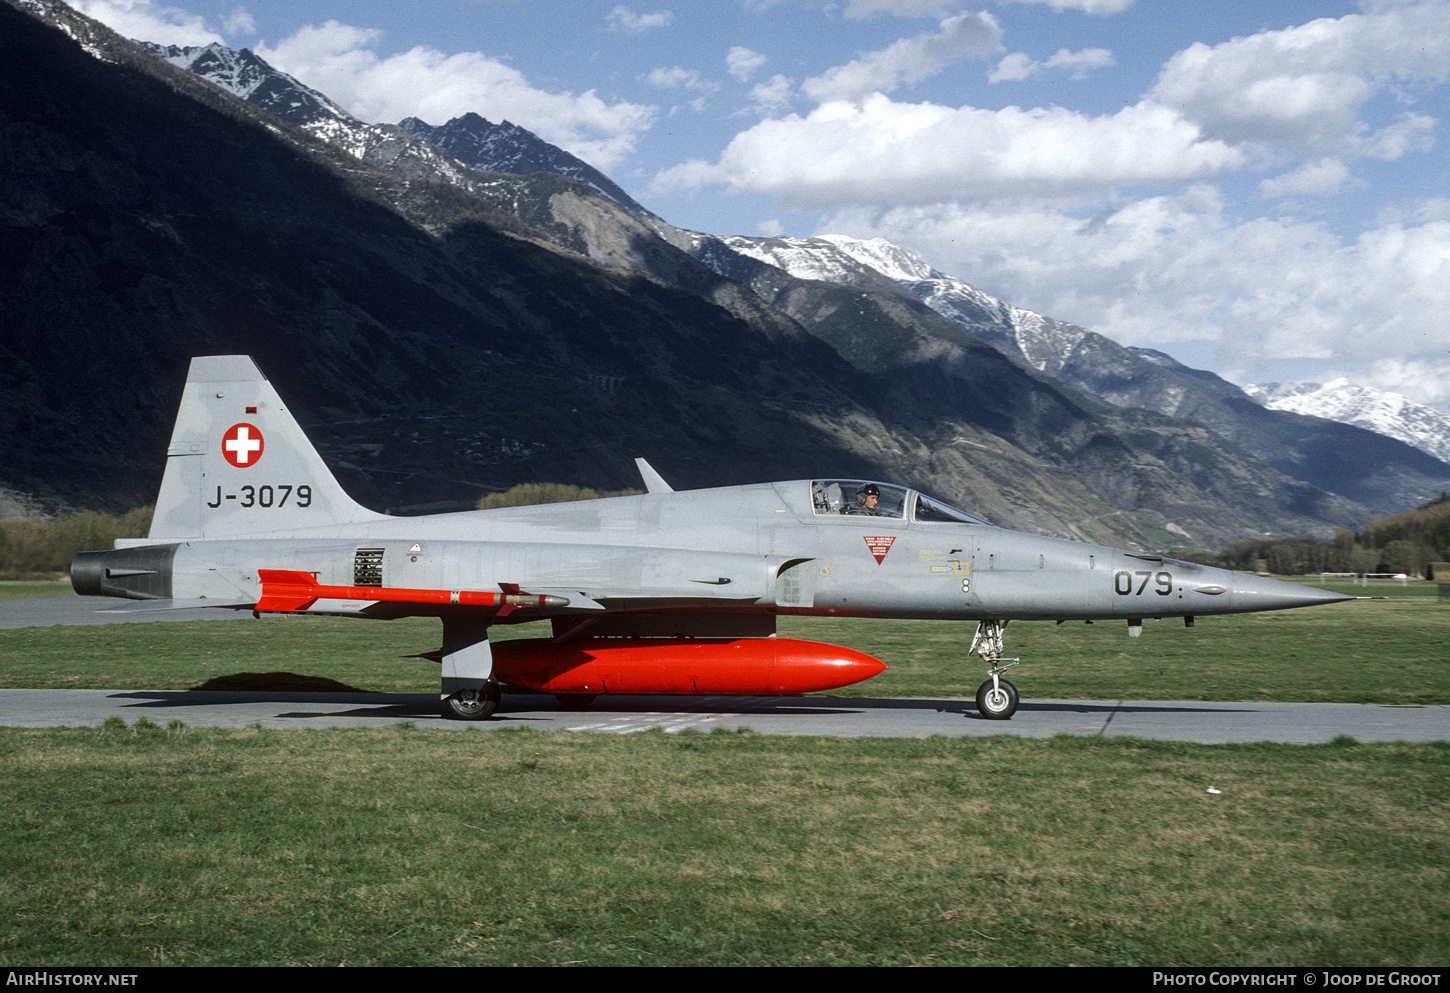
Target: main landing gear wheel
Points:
(575, 701)
(997, 702)
(473, 705)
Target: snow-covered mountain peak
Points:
(886, 258)
(805, 258)
(238, 72)
(506, 147)
(244, 74)
(1388, 413)
(1040, 341)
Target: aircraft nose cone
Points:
(1260, 593)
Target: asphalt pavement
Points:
(1166, 720)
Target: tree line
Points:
(1410, 543)
(529, 494)
(32, 547)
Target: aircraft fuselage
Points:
(756, 547)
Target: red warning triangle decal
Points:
(879, 545)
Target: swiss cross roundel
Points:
(242, 445)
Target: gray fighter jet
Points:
(667, 592)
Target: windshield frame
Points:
(843, 499)
(943, 512)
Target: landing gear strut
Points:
(996, 698)
(469, 691)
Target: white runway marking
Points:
(670, 723)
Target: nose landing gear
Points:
(996, 698)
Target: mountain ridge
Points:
(457, 338)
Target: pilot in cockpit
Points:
(868, 499)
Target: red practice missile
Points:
(746, 666)
(292, 589)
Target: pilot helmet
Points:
(869, 490)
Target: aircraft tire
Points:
(997, 704)
(575, 701)
(472, 705)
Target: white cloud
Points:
(1014, 67)
(1411, 133)
(147, 21)
(239, 22)
(339, 60)
(1424, 379)
(887, 153)
(741, 62)
(1432, 209)
(1306, 86)
(1166, 270)
(1102, 8)
(623, 19)
(677, 78)
(908, 60)
(1322, 178)
(857, 9)
(774, 95)
(1019, 66)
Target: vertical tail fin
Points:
(239, 464)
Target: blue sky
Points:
(1257, 188)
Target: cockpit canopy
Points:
(864, 498)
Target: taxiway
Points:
(1164, 720)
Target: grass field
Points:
(13, 589)
(404, 846)
(399, 846)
